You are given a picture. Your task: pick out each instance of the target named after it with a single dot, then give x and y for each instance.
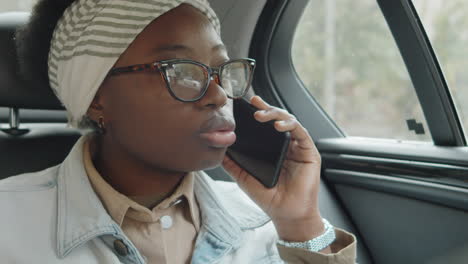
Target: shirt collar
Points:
(119, 206)
(116, 203)
(82, 216)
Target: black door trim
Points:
(425, 72)
(444, 195)
(425, 172)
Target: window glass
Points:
(16, 5)
(446, 24)
(351, 65)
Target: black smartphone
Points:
(259, 149)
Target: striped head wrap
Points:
(90, 37)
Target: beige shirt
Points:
(167, 233)
(164, 234)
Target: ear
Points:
(95, 110)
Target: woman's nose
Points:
(215, 96)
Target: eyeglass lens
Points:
(235, 78)
(188, 80)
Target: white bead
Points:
(166, 222)
(316, 244)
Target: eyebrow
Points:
(180, 47)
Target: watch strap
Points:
(316, 244)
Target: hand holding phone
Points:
(259, 149)
(292, 204)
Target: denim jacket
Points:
(54, 216)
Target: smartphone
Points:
(259, 149)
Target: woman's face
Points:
(145, 121)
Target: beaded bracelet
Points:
(316, 244)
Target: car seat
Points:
(38, 143)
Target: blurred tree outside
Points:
(446, 24)
(346, 56)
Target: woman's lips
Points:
(218, 131)
(220, 138)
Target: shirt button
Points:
(120, 247)
(166, 222)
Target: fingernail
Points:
(282, 123)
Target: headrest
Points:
(14, 91)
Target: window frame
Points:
(275, 33)
(360, 166)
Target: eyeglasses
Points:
(188, 80)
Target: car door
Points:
(364, 79)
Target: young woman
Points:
(153, 80)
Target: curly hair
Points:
(33, 39)
(33, 44)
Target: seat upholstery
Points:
(44, 145)
(39, 149)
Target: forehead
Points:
(182, 26)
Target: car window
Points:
(16, 5)
(351, 65)
(446, 25)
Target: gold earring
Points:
(101, 125)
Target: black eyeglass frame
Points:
(161, 66)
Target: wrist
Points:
(318, 244)
(299, 230)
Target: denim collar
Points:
(233, 205)
(225, 215)
(81, 216)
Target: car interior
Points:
(406, 202)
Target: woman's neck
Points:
(130, 176)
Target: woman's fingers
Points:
(272, 114)
(286, 125)
(298, 132)
(284, 122)
(258, 102)
(267, 112)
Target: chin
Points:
(212, 161)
